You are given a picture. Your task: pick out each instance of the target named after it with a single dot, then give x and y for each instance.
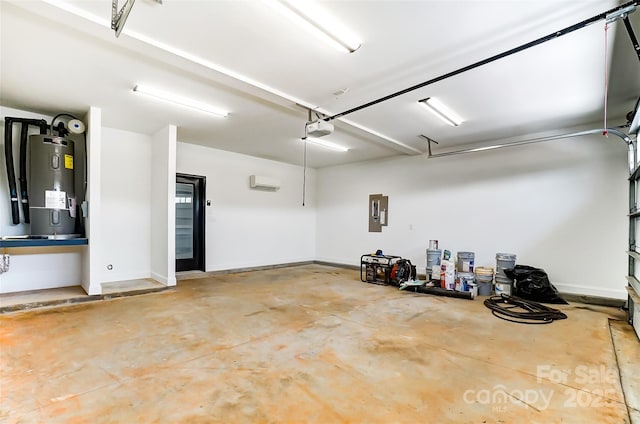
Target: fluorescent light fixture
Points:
(314, 19)
(201, 61)
(182, 101)
(441, 111)
(326, 144)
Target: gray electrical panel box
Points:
(378, 212)
(52, 200)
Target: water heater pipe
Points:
(24, 193)
(8, 155)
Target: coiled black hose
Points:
(522, 311)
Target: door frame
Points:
(200, 192)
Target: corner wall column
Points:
(91, 262)
(163, 208)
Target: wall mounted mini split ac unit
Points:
(264, 183)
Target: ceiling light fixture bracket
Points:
(429, 141)
(119, 17)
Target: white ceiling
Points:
(249, 60)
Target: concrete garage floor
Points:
(310, 344)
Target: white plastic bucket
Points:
(503, 288)
(504, 261)
(433, 257)
(466, 261)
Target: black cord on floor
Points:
(522, 311)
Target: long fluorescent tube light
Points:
(326, 144)
(314, 19)
(67, 7)
(441, 111)
(182, 101)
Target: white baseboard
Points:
(338, 262)
(591, 291)
(161, 278)
(110, 278)
(240, 266)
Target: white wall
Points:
(125, 205)
(246, 227)
(35, 268)
(559, 205)
(31, 268)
